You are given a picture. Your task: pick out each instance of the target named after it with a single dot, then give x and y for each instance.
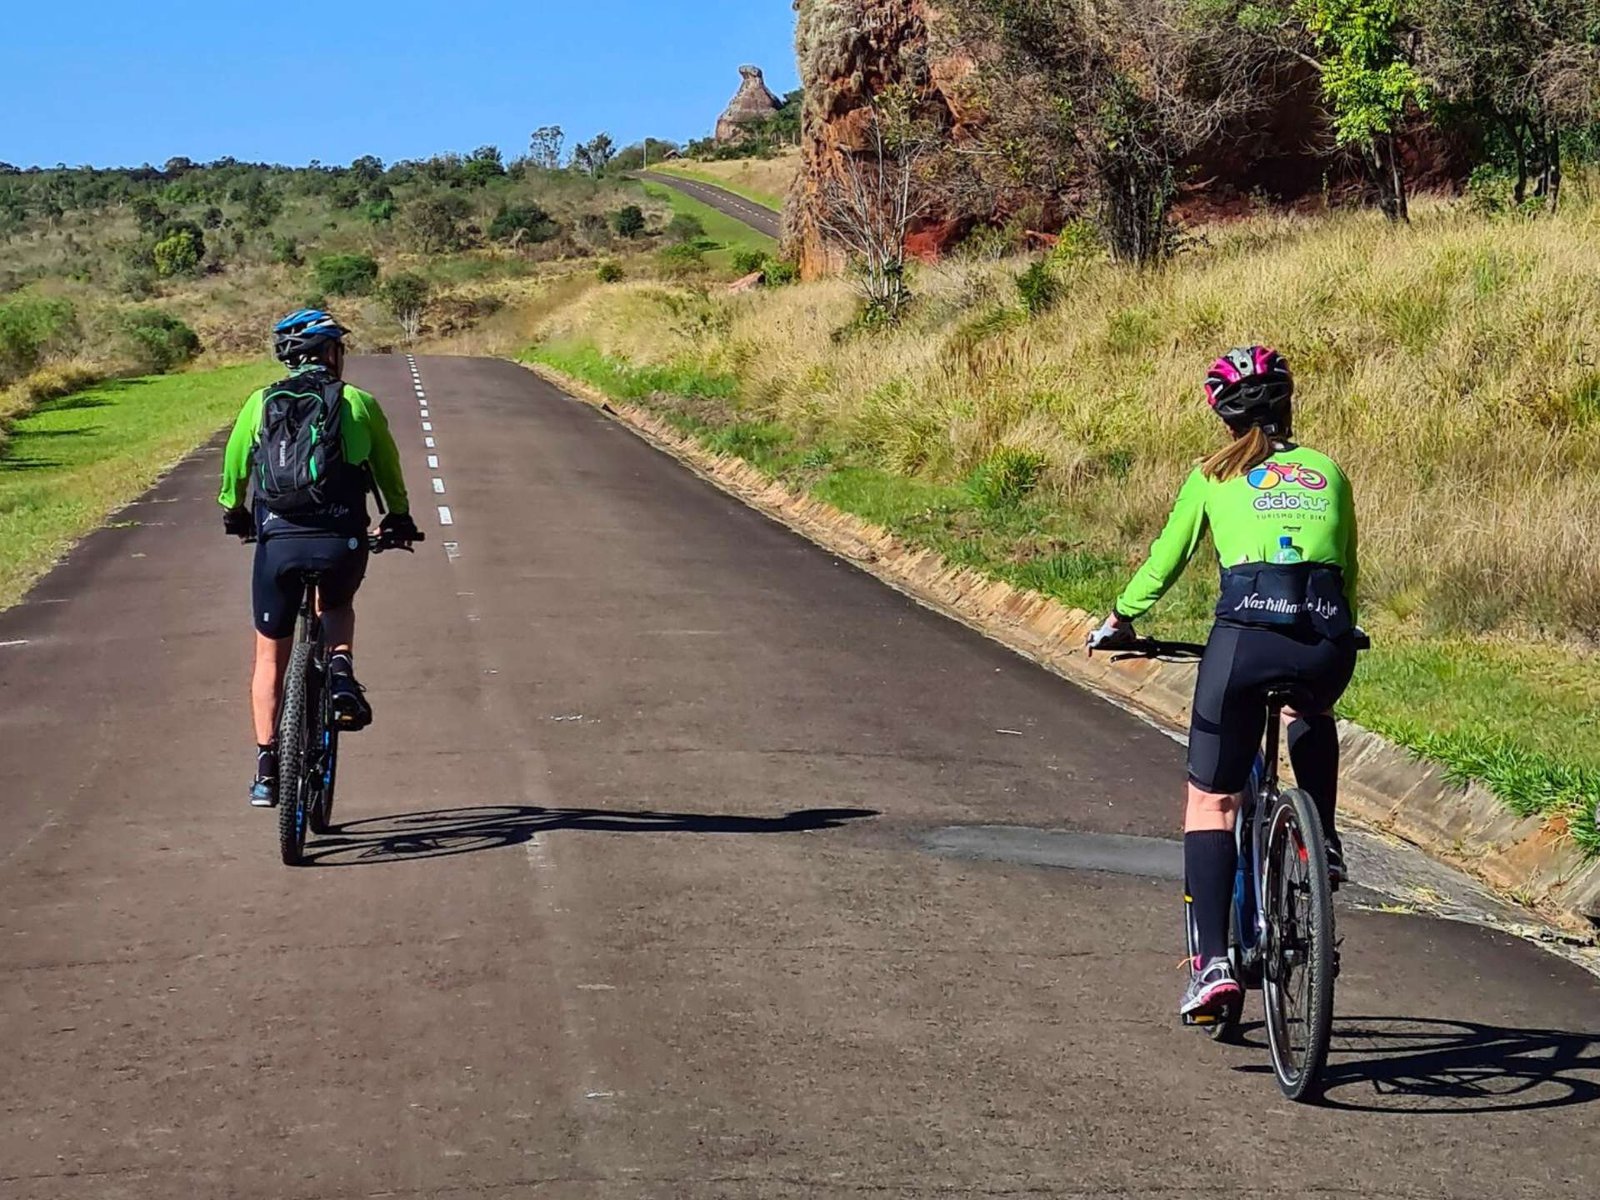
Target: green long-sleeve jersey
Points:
(1298, 493)
(367, 443)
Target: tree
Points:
(346, 274)
(179, 250)
(406, 297)
(1362, 50)
(594, 156)
(628, 220)
(519, 223)
(367, 169)
(435, 221)
(147, 213)
(1526, 69)
(871, 202)
(261, 207)
(685, 227)
(482, 166)
(545, 146)
(156, 341)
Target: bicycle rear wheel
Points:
(1299, 951)
(322, 811)
(294, 749)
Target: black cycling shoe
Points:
(351, 712)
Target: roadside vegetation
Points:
(1033, 419)
(77, 458)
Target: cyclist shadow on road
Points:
(448, 832)
(1426, 1065)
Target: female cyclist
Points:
(1284, 528)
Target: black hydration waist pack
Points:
(1304, 598)
(300, 463)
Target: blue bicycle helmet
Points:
(302, 335)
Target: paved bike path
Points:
(631, 897)
(762, 220)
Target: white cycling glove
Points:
(1113, 633)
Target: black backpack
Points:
(300, 463)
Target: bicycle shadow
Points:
(1447, 1067)
(445, 833)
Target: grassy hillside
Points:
(1452, 367)
(763, 181)
(80, 457)
(724, 236)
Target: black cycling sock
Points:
(267, 761)
(1209, 862)
(1314, 752)
(340, 663)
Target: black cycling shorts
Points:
(277, 585)
(1230, 707)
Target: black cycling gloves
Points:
(398, 527)
(238, 522)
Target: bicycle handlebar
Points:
(377, 543)
(1155, 648)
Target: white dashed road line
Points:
(444, 516)
(438, 486)
(433, 462)
(428, 442)
(427, 427)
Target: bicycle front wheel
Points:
(294, 750)
(1298, 953)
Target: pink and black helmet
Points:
(1250, 385)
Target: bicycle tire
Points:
(293, 743)
(322, 811)
(1299, 900)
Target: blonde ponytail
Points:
(1240, 457)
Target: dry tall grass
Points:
(1452, 367)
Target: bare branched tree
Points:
(872, 201)
(1109, 98)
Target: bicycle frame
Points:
(1250, 836)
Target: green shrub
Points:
(610, 271)
(32, 328)
(406, 297)
(346, 274)
(1038, 288)
(682, 259)
(286, 250)
(156, 341)
(529, 220)
(378, 212)
(628, 220)
(781, 273)
(685, 227)
(1079, 243)
(1006, 477)
(748, 262)
(179, 251)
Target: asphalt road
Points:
(762, 220)
(633, 895)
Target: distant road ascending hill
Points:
(762, 220)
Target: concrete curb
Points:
(1528, 859)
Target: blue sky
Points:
(118, 83)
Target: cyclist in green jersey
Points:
(1283, 524)
(324, 529)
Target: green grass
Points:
(764, 199)
(78, 458)
(724, 235)
(1525, 721)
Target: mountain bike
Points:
(308, 739)
(1281, 940)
